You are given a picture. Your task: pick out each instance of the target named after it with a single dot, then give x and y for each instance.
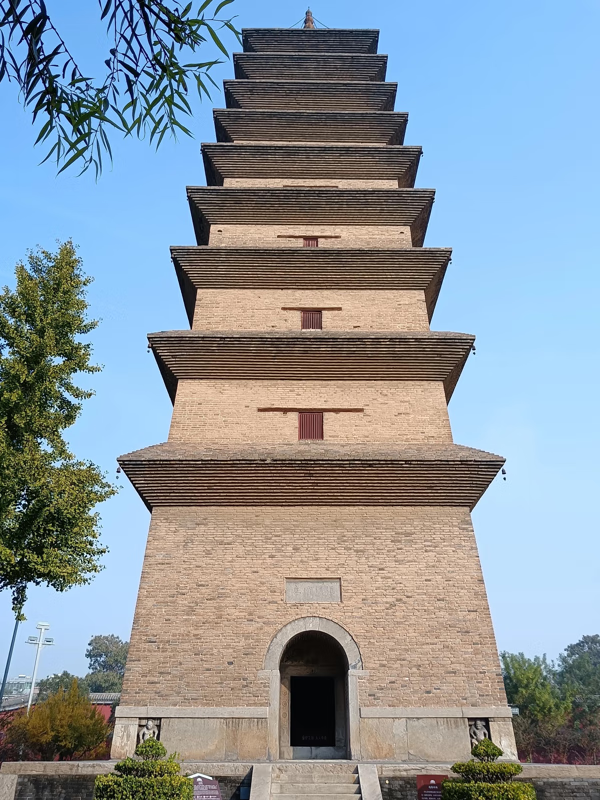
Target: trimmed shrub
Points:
(151, 750)
(486, 751)
(147, 769)
(150, 776)
(167, 787)
(482, 779)
(486, 772)
(457, 790)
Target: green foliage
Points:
(103, 681)
(486, 751)
(150, 68)
(52, 684)
(456, 790)
(150, 776)
(485, 772)
(169, 787)
(107, 653)
(151, 750)
(485, 780)
(64, 725)
(147, 769)
(48, 530)
(530, 684)
(579, 673)
(559, 705)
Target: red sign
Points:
(429, 787)
(206, 789)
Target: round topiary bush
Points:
(482, 779)
(150, 776)
(455, 790)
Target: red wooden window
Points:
(310, 425)
(310, 241)
(312, 320)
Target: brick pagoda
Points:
(311, 586)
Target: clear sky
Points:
(503, 97)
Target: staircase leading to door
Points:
(315, 781)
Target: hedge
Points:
(148, 777)
(458, 790)
(165, 787)
(486, 772)
(147, 769)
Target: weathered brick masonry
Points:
(305, 597)
(412, 595)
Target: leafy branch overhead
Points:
(148, 73)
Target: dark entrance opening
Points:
(314, 698)
(312, 712)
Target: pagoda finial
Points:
(309, 23)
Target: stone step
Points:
(315, 777)
(325, 796)
(318, 787)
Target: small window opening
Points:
(312, 320)
(310, 241)
(310, 425)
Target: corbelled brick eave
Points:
(312, 473)
(217, 205)
(325, 95)
(298, 40)
(377, 127)
(311, 66)
(312, 355)
(316, 161)
(415, 268)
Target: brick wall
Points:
(225, 412)
(55, 787)
(567, 789)
(546, 789)
(261, 310)
(369, 236)
(81, 787)
(212, 598)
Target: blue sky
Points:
(503, 97)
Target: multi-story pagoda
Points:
(311, 586)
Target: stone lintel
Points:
(165, 712)
(469, 712)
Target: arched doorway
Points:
(313, 697)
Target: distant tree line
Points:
(559, 703)
(106, 657)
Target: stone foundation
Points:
(40, 780)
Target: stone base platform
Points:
(39, 780)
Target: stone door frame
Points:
(271, 671)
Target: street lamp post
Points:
(40, 641)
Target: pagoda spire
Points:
(309, 22)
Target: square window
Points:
(312, 320)
(310, 425)
(310, 241)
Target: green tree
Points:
(49, 532)
(107, 653)
(106, 656)
(64, 725)
(151, 64)
(579, 676)
(52, 684)
(579, 671)
(543, 710)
